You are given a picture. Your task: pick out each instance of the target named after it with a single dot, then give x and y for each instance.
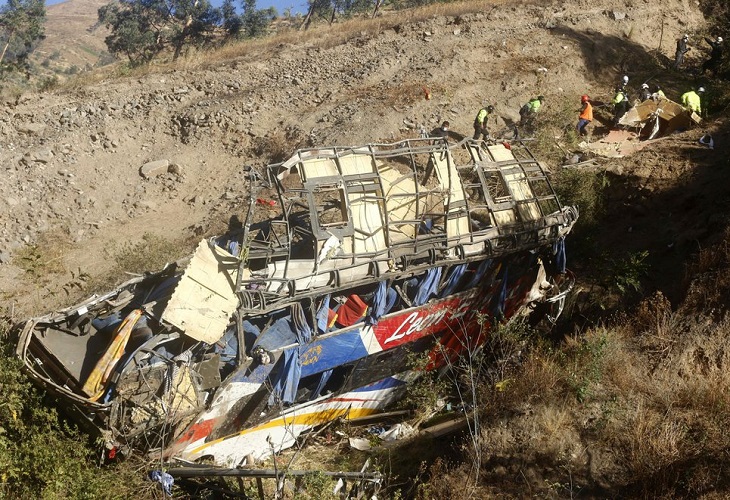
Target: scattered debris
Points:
(306, 316)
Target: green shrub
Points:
(42, 456)
(584, 189)
(583, 359)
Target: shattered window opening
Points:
(380, 250)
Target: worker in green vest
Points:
(620, 105)
(692, 102)
(480, 123)
(529, 110)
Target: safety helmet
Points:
(644, 85)
(626, 79)
(541, 98)
(719, 39)
(584, 98)
(701, 89)
(686, 36)
(490, 108)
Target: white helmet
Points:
(644, 85)
(719, 39)
(686, 36)
(626, 79)
(701, 89)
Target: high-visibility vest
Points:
(481, 116)
(534, 105)
(587, 113)
(691, 101)
(620, 97)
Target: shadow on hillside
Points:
(610, 57)
(680, 203)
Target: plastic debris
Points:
(166, 480)
(360, 444)
(706, 140)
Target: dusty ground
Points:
(72, 188)
(72, 157)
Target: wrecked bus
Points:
(307, 312)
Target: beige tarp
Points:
(673, 114)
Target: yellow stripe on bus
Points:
(312, 419)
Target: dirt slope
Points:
(73, 38)
(72, 158)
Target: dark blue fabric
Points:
(109, 323)
(428, 287)
(501, 297)
(383, 301)
(287, 381)
(280, 334)
(322, 382)
(453, 280)
(323, 314)
(227, 346)
(425, 226)
(478, 274)
(390, 301)
(164, 289)
(559, 252)
(301, 326)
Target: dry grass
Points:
(44, 257)
(658, 427)
(539, 380)
(320, 35)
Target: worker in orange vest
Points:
(586, 115)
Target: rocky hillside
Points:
(72, 158)
(73, 40)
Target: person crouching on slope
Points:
(692, 102)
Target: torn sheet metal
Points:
(205, 298)
(376, 252)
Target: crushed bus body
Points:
(307, 313)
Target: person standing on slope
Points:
(481, 129)
(682, 49)
(586, 115)
(715, 55)
(620, 105)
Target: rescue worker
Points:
(682, 49)
(441, 132)
(692, 102)
(658, 93)
(623, 83)
(620, 105)
(644, 94)
(480, 123)
(715, 55)
(586, 115)
(529, 110)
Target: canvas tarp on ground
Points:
(671, 116)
